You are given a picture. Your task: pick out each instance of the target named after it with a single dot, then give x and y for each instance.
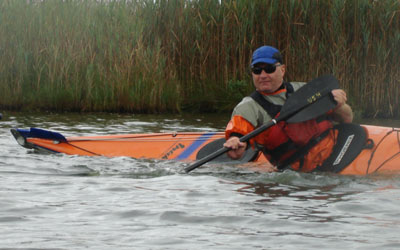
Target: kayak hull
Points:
(382, 156)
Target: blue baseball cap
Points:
(266, 54)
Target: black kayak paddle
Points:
(310, 101)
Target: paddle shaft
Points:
(245, 138)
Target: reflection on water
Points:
(273, 191)
(379, 122)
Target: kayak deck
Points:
(383, 156)
(178, 146)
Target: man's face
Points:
(268, 82)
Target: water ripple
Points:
(69, 202)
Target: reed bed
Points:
(153, 56)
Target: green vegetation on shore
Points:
(154, 56)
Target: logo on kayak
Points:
(171, 152)
(344, 150)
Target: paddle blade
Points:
(310, 93)
(319, 107)
(206, 159)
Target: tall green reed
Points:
(173, 55)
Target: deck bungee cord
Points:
(196, 141)
(85, 150)
(376, 148)
(142, 138)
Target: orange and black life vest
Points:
(286, 140)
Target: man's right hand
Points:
(237, 147)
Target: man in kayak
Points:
(301, 146)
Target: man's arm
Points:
(343, 112)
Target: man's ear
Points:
(283, 68)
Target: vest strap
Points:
(272, 109)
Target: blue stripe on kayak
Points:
(195, 145)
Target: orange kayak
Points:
(383, 156)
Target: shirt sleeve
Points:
(238, 126)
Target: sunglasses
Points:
(268, 68)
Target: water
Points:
(70, 202)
